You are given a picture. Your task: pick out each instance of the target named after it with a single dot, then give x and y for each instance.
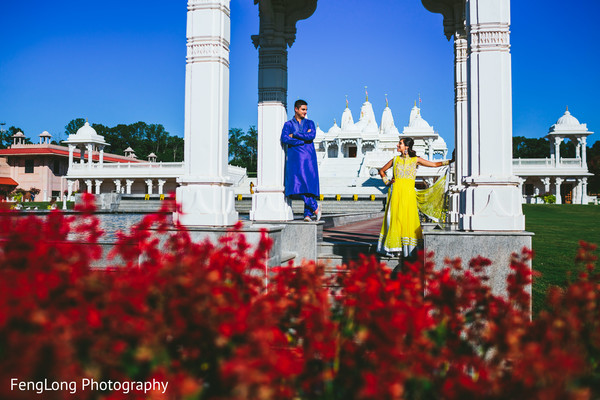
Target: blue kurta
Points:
(301, 171)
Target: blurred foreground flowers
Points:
(215, 323)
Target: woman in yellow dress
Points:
(401, 230)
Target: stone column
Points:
(340, 152)
(490, 200)
(546, 182)
(429, 143)
(98, 183)
(205, 192)
(117, 185)
(521, 191)
(128, 183)
(454, 26)
(88, 183)
(277, 31)
(70, 184)
(584, 195)
(577, 192)
(557, 141)
(558, 182)
(71, 152)
(90, 154)
(161, 184)
(583, 143)
(149, 184)
(101, 156)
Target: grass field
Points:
(558, 230)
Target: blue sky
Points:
(124, 61)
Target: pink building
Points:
(43, 165)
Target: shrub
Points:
(549, 198)
(214, 323)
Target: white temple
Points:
(348, 154)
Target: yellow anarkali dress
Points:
(401, 230)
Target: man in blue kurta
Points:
(301, 171)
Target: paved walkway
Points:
(356, 232)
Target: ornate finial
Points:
(415, 103)
(386, 100)
(366, 93)
(334, 122)
(567, 108)
(346, 101)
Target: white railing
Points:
(533, 162)
(547, 162)
(119, 166)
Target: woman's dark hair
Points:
(409, 142)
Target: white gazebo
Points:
(565, 178)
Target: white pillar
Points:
(149, 184)
(546, 182)
(98, 184)
(558, 182)
(205, 192)
(268, 201)
(557, 141)
(460, 113)
(101, 156)
(90, 154)
(71, 151)
(88, 183)
(70, 184)
(161, 184)
(491, 199)
(583, 143)
(128, 183)
(584, 195)
(117, 183)
(340, 152)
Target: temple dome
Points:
(568, 125)
(567, 119)
(416, 121)
(387, 123)
(334, 130)
(347, 120)
(86, 134)
(367, 123)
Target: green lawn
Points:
(558, 230)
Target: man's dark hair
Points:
(299, 103)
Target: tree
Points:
(530, 147)
(4, 137)
(143, 138)
(243, 148)
(73, 126)
(593, 162)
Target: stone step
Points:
(335, 253)
(329, 206)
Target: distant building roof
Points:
(8, 182)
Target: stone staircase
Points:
(334, 253)
(346, 205)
